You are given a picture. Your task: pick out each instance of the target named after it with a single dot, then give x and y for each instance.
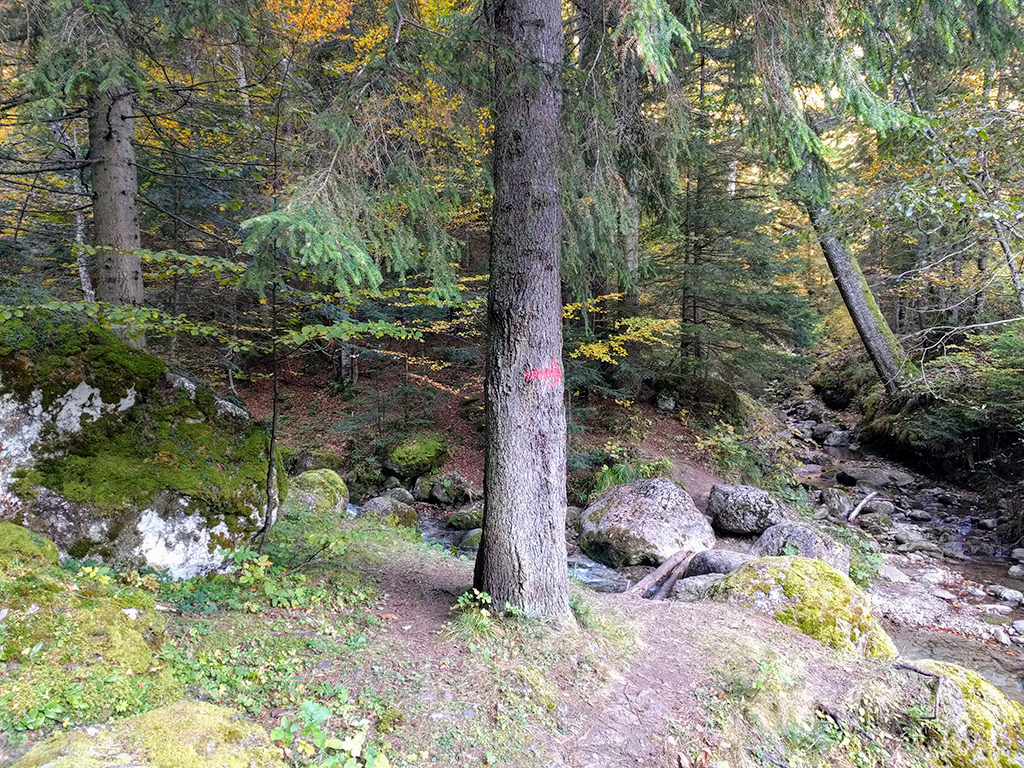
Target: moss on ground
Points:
(186, 734)
(85, 646)
(812, 597)
(20, 545)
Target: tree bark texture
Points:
(115, 212)
(522, 556)
(875, 334)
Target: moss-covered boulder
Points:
(320, 490)
(79, 648)
(812, 597)
(390, 511)
(468, 517)
(186, 734)
(116, 461)
(20, 545)
(976, 725)
(416, 455)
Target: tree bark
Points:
(115, 212)
(879, 341)
(522, 556)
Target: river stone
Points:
(841, 438)
(646, 521)
(872, 477)
(186, 733)
(821, 431)
(400, 494)
(812, 597)
(573, 520)
(469, 517)
(390, 511)
(794, 539)
(919, 515)
(1016, 572)
(470, 542)
(744, 509)
(879, 507)
(716, 561)
(893, 574)
(1018, 554)
(874, 523)
(836, 502)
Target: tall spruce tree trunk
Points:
(879, 342)
(522, 556)
(115, 211)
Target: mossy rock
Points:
(469, 517)
(54, 352)
(21, 545)
(390, 511)
(320, 490)
(417, 455)
(186, 734)
(812, 597)
(977, 726)
(470, 543)
(86, 647)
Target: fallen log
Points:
(642, 587)
(859, 507)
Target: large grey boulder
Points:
(872, 477)
(791, 538)
(744, 509)
(643, 522)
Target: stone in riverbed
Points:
(1016, 572)
(1018, 554)
(744, 509)
(716, 561)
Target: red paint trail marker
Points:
(552, 375)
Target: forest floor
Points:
(639, 683)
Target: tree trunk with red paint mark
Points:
(522, 556)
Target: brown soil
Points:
(649, 697)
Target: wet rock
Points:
(1007, 595)
(943, 594)
(919, 515)
(989, 524)
(1000, 636)
(716, 561)
(872, 477)
(907, 535)
(694, 588)
(794, 539)
(812, 597)
(821, 431)
(744, 509)
(841, 438)
(875, 524)
(1016, 572)
(1018, 554)
(643, 522)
